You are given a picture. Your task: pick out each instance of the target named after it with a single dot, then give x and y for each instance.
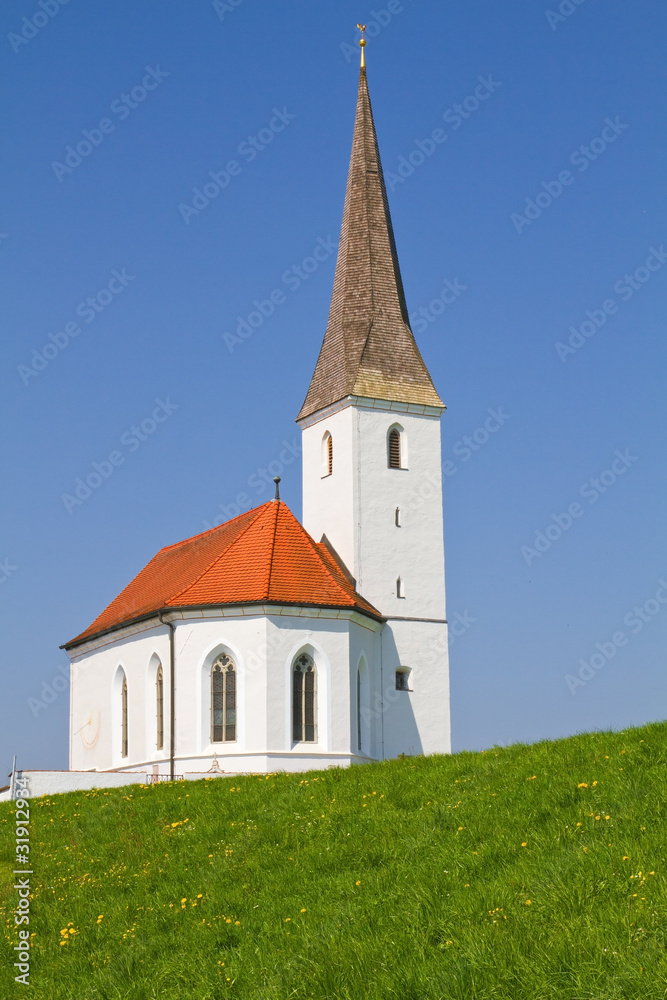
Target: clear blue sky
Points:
(209, 76)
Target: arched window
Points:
(394, 442)
(223, 700)
(123, 718)
(327, 455)
(304, 704)
(159, 705)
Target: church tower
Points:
(372, 472)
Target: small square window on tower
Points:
(403, 679)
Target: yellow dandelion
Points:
(358, 883)
(287, 919)
(524, 843)
(303, 910)
(582, 784)
(529, 902)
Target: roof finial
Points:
(362, 43)
(276, 480)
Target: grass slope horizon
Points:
(529, 872)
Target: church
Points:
(263, 644)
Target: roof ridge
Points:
(314, 546)
(224, 552)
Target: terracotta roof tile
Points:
(262, 556)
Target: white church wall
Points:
(263, 649)
(95, 700)
(418, 720)
(413, 551)
(356, 505)
(328, 501)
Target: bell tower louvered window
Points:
(327, 455)
(223, 700)
(394, 448)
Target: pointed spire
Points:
(369, 349)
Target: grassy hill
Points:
(526, 873)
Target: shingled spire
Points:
(369, 349)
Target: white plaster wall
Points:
(95, 714)
(355, 507)
(263, 648)
(329, 501)
(416, 721)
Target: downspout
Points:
(382, 686)
(172, 693)
(12, 786)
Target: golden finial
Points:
(362, 42)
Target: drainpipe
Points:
(12, 785)
(172, 692)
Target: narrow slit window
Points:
(304, 704)
(327, 455)
(397, 517)
(400, 588)
(223, 700)
(123, 724)
(394, 448)
(159, 704)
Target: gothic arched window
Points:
(123, 718)
(394, 447)
(159, 706)
(304, 704)
(327, 455)
(223, 700)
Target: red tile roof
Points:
(261, 557)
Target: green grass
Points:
(526, 873)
